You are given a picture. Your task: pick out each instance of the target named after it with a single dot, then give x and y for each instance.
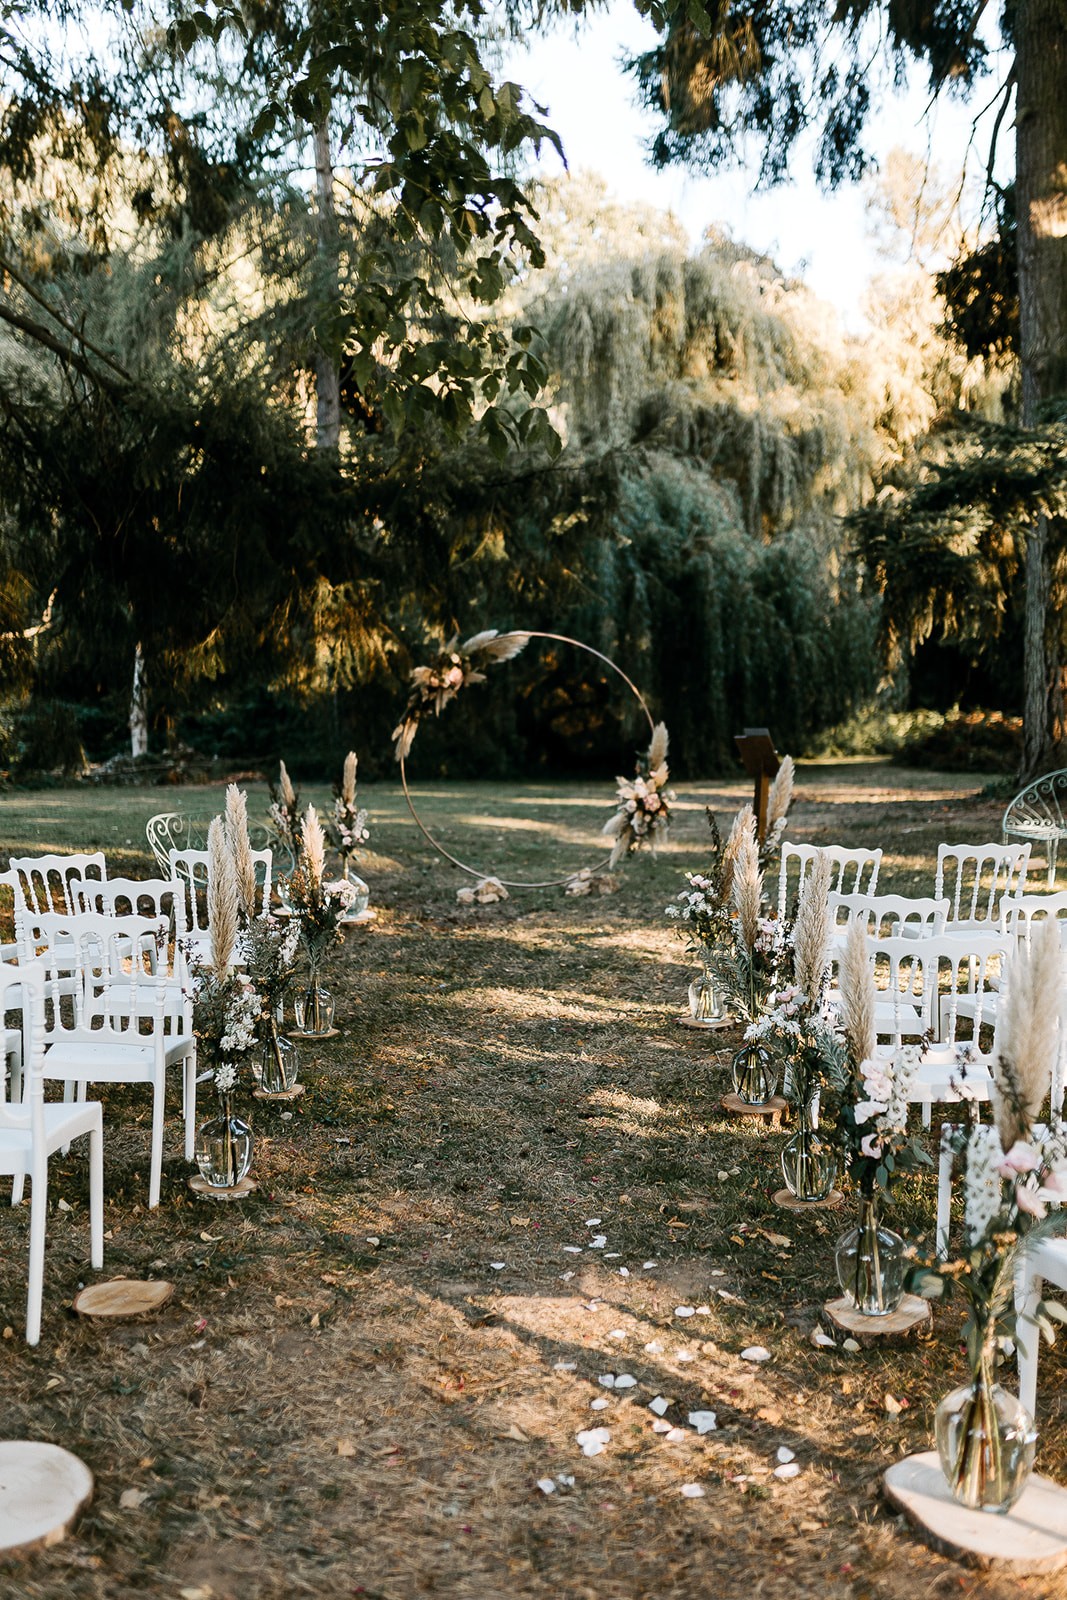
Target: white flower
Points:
(225, 1077)
(983, 1190)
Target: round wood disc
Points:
(770, 1112)
(331, 1033)
(355, 919)
(121, 1298)
(912, 1311)
(240, 1191)
(790, 1202)
(705, 1024)
(1031, 1538)
(283, 1094)
(42, 1490)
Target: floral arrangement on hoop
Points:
(643, 811)
(795, 1024)
(868, 1095)
(284, 810)
(1013, 1171)
(454, 669)
(349, 820)
(318, 907)
(226, 1004)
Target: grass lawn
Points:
(368, 1365)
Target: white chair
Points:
(854, 871)
(127, 1020)
(1043, 1261)
(980, 881)
(46, 883)
(31, 1132)
(886, 916)
(189, 868)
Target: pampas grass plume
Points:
(748, 890)
(781, 796)
(222, 899)
(314, 846)
(285, 787)
(811, 931)
(1028, 1033)
(744, 824)
(856, 983)
(241, 849)
(348, 779)
(657, 753)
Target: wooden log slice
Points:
(913, 1312)
(705, 1024)
(331, 1033)
(771, 1112)
(790, 1202)
(240, 1191)
(122, 1298)
(283, 1094)
(1029, 1539)
(42, 1490)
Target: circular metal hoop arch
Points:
(512, 883)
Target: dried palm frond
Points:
(1028, 1035)
(743, 825)
(222, 898)
(403, 736)
(494, 646)
(285, 788)
(811, 931)
(856, 983)
(781, 796)
(348, 779)
(313, 846)
(748, 891)
(241, 849)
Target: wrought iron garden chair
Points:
(1036, 815)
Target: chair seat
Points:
(63, 1121)
(111, 1063)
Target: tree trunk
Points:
(138, 707)
(1040, 34)
(327, 367)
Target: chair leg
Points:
(189, 1108)
(156, 1172)
(1028, 1287)
(944, 1191)
(17, 1185)
(38, 1224)
(96, 1197)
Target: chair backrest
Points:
(854, 871)
(889, 915)
(979, 878)
(190, 869)
(23, 989)
(45, 883)
(1018, 916)
(162, 899)
(929, 976)
(124, 985)
(1039, 810)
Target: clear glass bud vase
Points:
(809, 1165)
(986, 1440)
(279, 1063)
(705, 1002)
(755, 1075)
(359, 888)
(223, 1148)
(870, 1263)
(314, 1009)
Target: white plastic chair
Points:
(46, 883)
(887, 916)
(190, 868)
(1043, 1261)
(31, 1132)
(854, 871)
(980, 880)
(127, 1020)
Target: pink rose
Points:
(871, 1145)
(1029, 1200)
(1020, 1158)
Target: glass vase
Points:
(705, 1002)
(986, 1440)
(870, 1263)
(223, 1148)
(809, 1165)
(314, 1010)
(360, 891)
(279, 1063)
(755, 1075)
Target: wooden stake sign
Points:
(761, 761)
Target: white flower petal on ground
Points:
(785, 1454)
(592, 1222)
(685, 1355)
(565, 1277)
(703, 1311)
(498, 1266)
(601, 1403)
(850, 1344)
(566, 1480)
(547, 1485)
(607, 1380)
(822, 1341)
(598, 1241)
(755, 1352)
(565, 1366)
(703, 1421)
(593, 1440)
(573, 1249)
(676, 1435)
(624, 1272)
(648, 1265)
(693, 1491)
(624, 1381)
(617, 1333)
(684, 1311)
(654, 1347)
(789, 1469)
(659, 1426)
(658, 1405)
